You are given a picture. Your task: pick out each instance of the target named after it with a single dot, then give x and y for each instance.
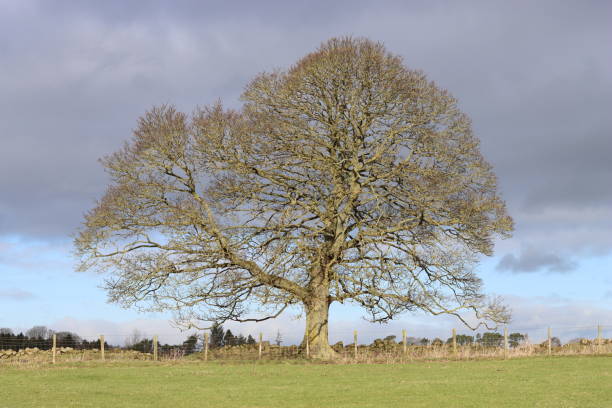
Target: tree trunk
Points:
(317, 314)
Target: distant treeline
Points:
(220, 338)
(491, 339)
(42, 337)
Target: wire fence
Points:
(401, 347)
(67, 346)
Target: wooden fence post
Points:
(528, 343)
(599, 339)
(260, 344)
(455, 342)
(355, 340)
(206, 346)
(102, 346)
(54, 346)
(505, 342)
(155, 348)
(307, 347)
(405, 341)
(549, 341)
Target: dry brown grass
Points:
(365, 354)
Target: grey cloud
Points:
(532, 260)
(534, 77)
(16, 295)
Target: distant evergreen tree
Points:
(279, 338)
(93, 345)
(144, 346)
(190, 344)
(462, 339)
(68, 339)
(515, 339)
(491, 339)
(240, 340)
(216, 336)
(250, 340)
(229, 339)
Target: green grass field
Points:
(528, 382)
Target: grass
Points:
(568, 381)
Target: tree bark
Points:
(317, 315)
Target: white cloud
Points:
(568, 318)
(116, 333)
(15, 294)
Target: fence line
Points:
(510, 343)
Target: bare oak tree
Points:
(347, 178)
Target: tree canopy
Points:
(346, 178)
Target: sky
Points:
(535, 78)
